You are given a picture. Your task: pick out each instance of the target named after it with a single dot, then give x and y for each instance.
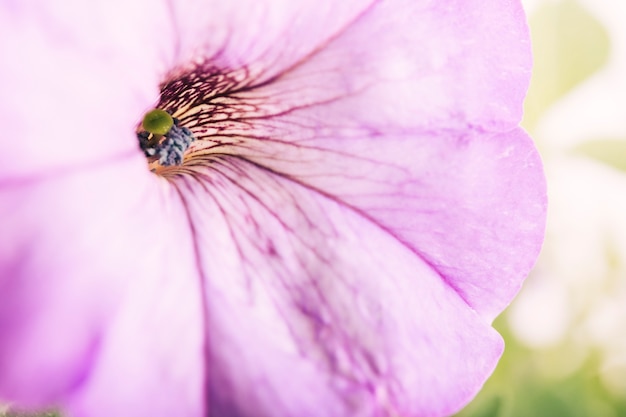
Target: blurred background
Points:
(566, 331)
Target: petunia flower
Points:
(355, 204)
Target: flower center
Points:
(195, 115)
(163, 139)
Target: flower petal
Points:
(75, 80)
(471, 205)
(265, 36)
(452, 63)
(99, 311)
(445, 177)
(316, 311)
(414, 126)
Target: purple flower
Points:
(354, 208)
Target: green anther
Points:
(157, 122)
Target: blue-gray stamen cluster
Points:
(169, 150)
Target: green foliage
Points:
(608, 151)
(521, 386)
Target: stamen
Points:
(170, 147)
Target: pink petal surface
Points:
(417, 132)
(264, 36)
(472, 206)
(316, 311)
(99, 310)
(75, 78)
(447, 64)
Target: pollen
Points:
(167, 146)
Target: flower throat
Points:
(198, 114)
